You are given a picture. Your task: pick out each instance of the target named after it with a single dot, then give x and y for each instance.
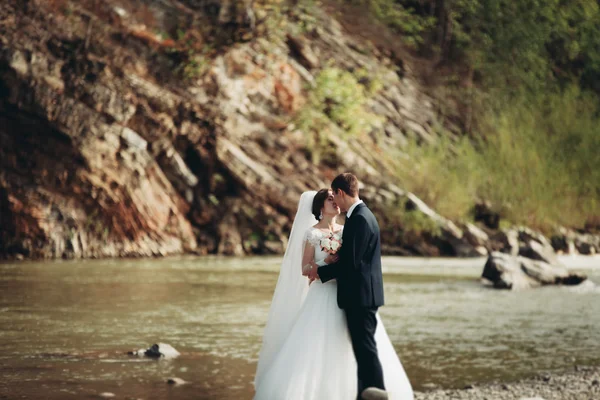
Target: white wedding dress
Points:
(315, 360)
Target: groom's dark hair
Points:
(347, 183)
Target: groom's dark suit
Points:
(360, 290)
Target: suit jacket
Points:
(358, 271)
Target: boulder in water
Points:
(159, 350)
(515, 272)
(539, 251)
(175, 381)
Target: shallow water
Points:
(65, 326)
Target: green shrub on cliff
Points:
(402, 18)
(339, 96)
(544, 160)
(444, 175)
(336, 104)
(537, 161)
(527, 77)
(507, 44)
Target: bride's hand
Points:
(332, 258)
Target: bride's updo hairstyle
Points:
(319, 202)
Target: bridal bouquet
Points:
(331, 243)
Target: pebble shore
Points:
(582, 383)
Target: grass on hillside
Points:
(537, 161)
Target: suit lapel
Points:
(355, 210)
(348, 226)
(348, 219)
(358, 207)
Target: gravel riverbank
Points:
(582, 383)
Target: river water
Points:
(65, 326)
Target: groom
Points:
(360, 283)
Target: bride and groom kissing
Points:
(324, 339)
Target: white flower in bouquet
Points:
(326, 243)
(335, 245)
(331, 244)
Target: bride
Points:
(307, 352)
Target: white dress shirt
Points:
(348, 214)
(352, 207)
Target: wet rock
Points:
(106, 395)
(585, 248)
(527, 234)
(504, 271)
(561, 244)
(525, 242)
(516, 273)
(538, 251)
(587, 244)
(176, 381)
(528, 243)
(512, 240)
(159, 350)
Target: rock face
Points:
(506, 271)
(116, 140)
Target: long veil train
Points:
(291, 288)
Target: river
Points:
(65, 326)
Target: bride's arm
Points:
(308, 258)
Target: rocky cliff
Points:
(139, 128)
